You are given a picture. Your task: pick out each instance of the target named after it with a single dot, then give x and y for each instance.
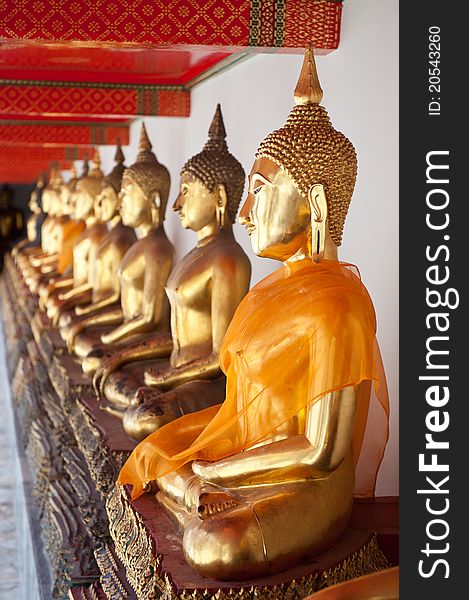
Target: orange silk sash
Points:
(71, 233)
(304, 331)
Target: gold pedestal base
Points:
(149, 546)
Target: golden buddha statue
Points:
(44, 264)
(62, 279)
(102, 288)
(204, 290)
(143, 271)
(85, 248)
(266, 479)
(31, 244)
(49, 207)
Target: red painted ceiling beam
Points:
(62, 133)
(226, 23)
(44, 154)
(19, 172)
(62, 100)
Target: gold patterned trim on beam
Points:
(255, 23)
(91, 84)
(124, 124)
(279, 26)
(267, 23)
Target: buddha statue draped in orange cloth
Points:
(62, 279)
(266, 480)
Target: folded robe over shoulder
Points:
(304, 331)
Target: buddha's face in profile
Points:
(84, 204)
(56, 203)
(67, 202)
(135, 208)
(275, 215)
(196, 204)
(106, 204)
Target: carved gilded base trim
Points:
(68, 380)
(103, 464)
(92, 592)
(113, 580)
(136, 549)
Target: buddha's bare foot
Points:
(69, 332)
(155, 376)
(94, 360)
(213, 501)
(145, 394)
(65, 319)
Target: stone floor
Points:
(18, 578)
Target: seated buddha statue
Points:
(102, 289)
(143, 271)
(31, 244)
(266, 480)
(43, 265)
(62, 278)
(204, 290)
(85, 247)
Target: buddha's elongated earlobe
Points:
(318, 206)
(221, 206)
(220, 215)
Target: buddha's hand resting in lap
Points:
(102, 374)
(71, 332)
(159, 378)
(168, 378)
